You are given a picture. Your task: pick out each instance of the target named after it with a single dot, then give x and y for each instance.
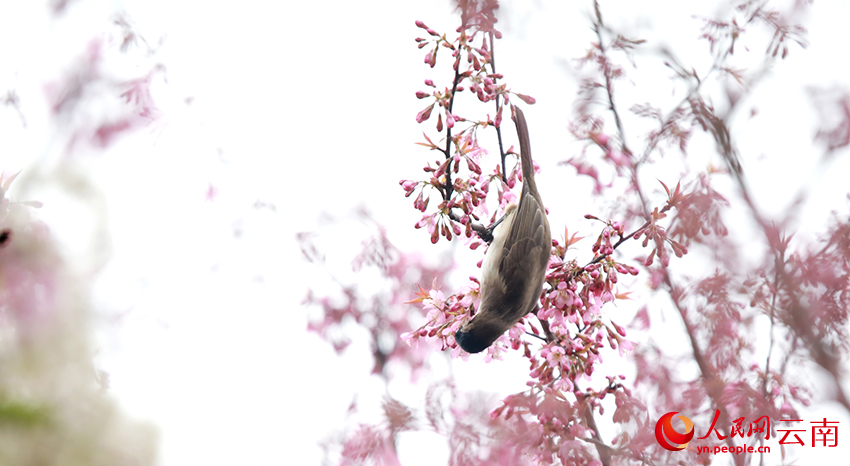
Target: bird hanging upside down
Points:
(515, 265)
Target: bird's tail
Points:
(524, 147)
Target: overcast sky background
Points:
(309, 107)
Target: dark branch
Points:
(498, 105)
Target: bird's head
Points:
(479, 333)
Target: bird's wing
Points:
(527, 253)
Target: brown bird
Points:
(515, 264)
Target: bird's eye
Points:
(5, 237)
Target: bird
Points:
(515, 264)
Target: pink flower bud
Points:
(424, 114)
(409, 186)
(429, 82)
(678, 248)
(649, 259)
(526, 98)
(620, 330)
(420, 202)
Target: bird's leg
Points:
(487, 235)
(536, 336)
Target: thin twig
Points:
(449, 189)
(498, 105)
(609, 86)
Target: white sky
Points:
(309, 106)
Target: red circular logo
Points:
(668, 437)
